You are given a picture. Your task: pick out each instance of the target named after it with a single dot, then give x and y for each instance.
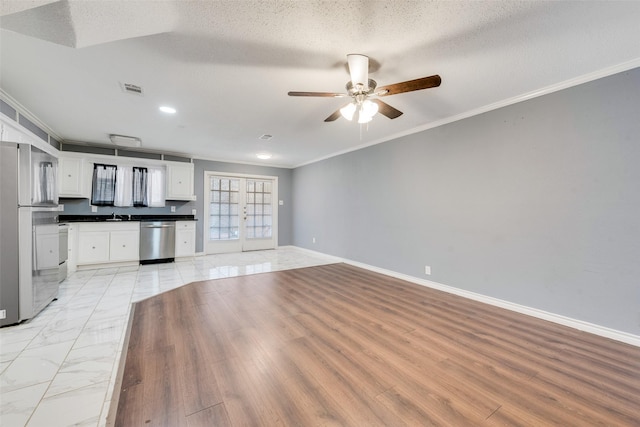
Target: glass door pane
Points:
(224, 212)
(258, 209)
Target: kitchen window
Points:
(128, 186)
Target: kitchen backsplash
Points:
(83, 207)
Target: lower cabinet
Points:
(185, 238)
(124, 246)
(93, 247)
(72, 258)
(46, 255)
(103, 242)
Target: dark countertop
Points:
(124, 218)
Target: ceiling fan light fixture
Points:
(359, 70)
(364, 118)
(348, 111)
(369, 108)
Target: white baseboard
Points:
(541, 314)
(107, 265)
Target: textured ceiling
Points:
(227, 66)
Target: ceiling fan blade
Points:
(333, 117)
(322, 94)
(386, 109)
(409, 86)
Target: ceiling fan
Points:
(364, 92)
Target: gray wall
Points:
(285, 219)
(537, 203)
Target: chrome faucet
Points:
(114, 215)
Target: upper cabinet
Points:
(76, 173)
(72, 177)
(180, 181)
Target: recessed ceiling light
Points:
(265, 137)
(263, 156)
(167, 109)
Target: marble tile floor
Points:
(59, 369)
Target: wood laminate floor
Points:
(338, 345)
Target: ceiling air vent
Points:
(131, 88)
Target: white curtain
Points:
(139, 186)
(44, 180)
(104, 184)
(155, 187)
(124, 187)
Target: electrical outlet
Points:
(94, 209)
(3, 314)
(313, 240)
(173, 208)
(193, 212)
(427, 270)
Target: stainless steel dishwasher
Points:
(157, 241)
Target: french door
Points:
(241, 213)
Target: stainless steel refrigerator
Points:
(28, 231)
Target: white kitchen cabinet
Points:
(93, 247)
(185, 238)
(108, 242)
(72, 247)
(46, 255)
(71, 176)
(124, 246)
(180, 181)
